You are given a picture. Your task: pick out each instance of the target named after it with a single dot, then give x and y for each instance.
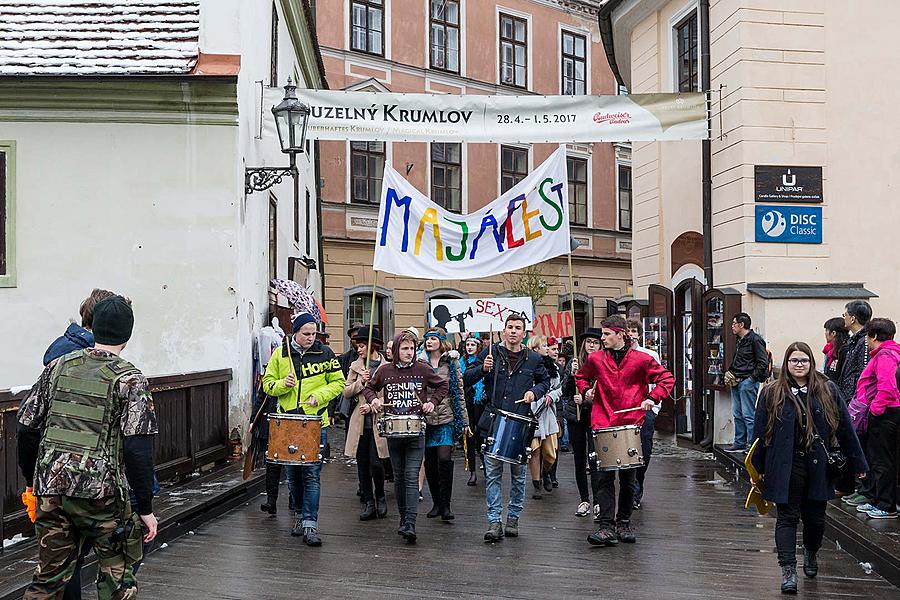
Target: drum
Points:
(401, 426)
(294, 439)
(510, 438)
(618, 448)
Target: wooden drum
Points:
(294, 439)
(618, 447)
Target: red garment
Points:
(622, 386)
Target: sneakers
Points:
(297, 529)
(311, 537)
(603, 537)
(734, 448)
(810, 564)
(584, 509)
(625, 533)
(788, 579)
(512, 527)
(494, 533)
(596, 513)
(854, 499)
(636, 504)
(877, 513)
(865, 507)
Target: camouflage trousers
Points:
(64, 524)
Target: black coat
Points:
(853, 359)
(750, 358)
(775, 460)
(568, 408)
(502, 389)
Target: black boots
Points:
(381, 507)
(435, 509)
(789, 579)
(536, 495)
(270, 506)
(445, 468)
(810, 564)
(368, 513)
(473, 480)
(548, 485)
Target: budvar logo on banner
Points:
(526, 225)
(384, 116)
(556, 324)
(478, 315)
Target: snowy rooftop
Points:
(99, 37)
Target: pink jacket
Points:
(877, 386)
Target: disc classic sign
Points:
(788, 184)
(789, 224)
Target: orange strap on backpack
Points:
(30, 503)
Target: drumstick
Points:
(617, 412)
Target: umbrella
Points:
(299, 298)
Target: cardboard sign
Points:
(478, 314)
(556, 324)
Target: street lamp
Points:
(291, 118)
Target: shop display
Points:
(715, 341)
(656, 337)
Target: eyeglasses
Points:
(798, 362)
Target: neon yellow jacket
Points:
(320, 379)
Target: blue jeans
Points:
(493, 473)
(304, 483)
(743, 407)
(564, 440)
(289, 472)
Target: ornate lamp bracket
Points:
(259, 179)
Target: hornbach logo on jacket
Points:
(320, 367)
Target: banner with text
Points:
(478, 314)
(555, 324)
(527, 225)
(384, 116)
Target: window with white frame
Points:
(513, 51)
(624, 194)
(367, 26)
(513, 166)
(573, 62)
(444, 19)
(446, 175)
(577, 171)
(687, 62)
(366, 171)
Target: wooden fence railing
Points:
(192, 409)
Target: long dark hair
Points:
(779, 391)
(841, 334)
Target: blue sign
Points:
(789, 224)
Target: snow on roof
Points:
(99, 37)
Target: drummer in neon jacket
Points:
(304, 375)
(623, 376)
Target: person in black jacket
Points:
(749, 368)
(853, 358)
(510, 373)
(800, 419)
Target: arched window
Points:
(358, 304)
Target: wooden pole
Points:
(371, 318)
(572, 314)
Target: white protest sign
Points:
(478, 315)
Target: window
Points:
(513, 51)
(366, 170)
(273, 237)
(582, 313)
(367, 26)
(578, 197)
(5, 215)
(273, 56)
(297, 220)
(574, 64)
(625, 198)
(686, 52)
(445, 35)
(309, 222)
(446, 175)
(358, 303)
(513, 166)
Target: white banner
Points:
(526, 225)
(377, 116)
(478, 314)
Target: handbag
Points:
(835, 461)
(859, 415)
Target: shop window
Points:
(513, 51)
(446, 175)
(686, 56)
(445, 35)
(513, 166)
(624, 193)
(366, 171)
(577, 169)
(573, 63)
(367, 26)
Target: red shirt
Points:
(622, 386)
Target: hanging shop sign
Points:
(789, 224)
(788, 184)
(479, 315)
(384, 116)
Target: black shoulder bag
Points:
(835, 459)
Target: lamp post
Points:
(291, 118)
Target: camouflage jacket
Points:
(138, 417)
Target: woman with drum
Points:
(544, 444)
(800, 421)
(474, 406)
(363, 443)
(447, 423)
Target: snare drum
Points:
(294, 439)
(618, 447)
(401, 426)
(510, 438)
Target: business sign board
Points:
(788, 184)
(789, 224)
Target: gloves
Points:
(30, 503)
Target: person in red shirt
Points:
(623, 376)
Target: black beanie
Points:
(113, 321)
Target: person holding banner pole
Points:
(513, 376)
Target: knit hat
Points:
(301, 320)
(113, 321)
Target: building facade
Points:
(122, 166)
(463, 47)
(801, 176)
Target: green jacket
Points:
(318, 374)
